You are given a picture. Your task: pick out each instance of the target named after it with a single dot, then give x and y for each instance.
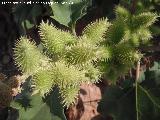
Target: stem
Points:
(136, 82)
(73, 29)
(138, 70)
(137, 115)
(133, 9)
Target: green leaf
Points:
(25, 15)
(156, 66)
(148, 103)
(118, 104)
(48, 108)
(152, 76)
(31, 107)
(69, 12)
(36, 111)
(148, 94)
(27, 24)
(54, 102)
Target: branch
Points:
(138, 70)
(136, 87)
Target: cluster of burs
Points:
(105, 49)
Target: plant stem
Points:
(73, 29)
(136, 87)
(137, 115)
(133, 9)
(137, 70)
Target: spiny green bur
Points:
(103, 48)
